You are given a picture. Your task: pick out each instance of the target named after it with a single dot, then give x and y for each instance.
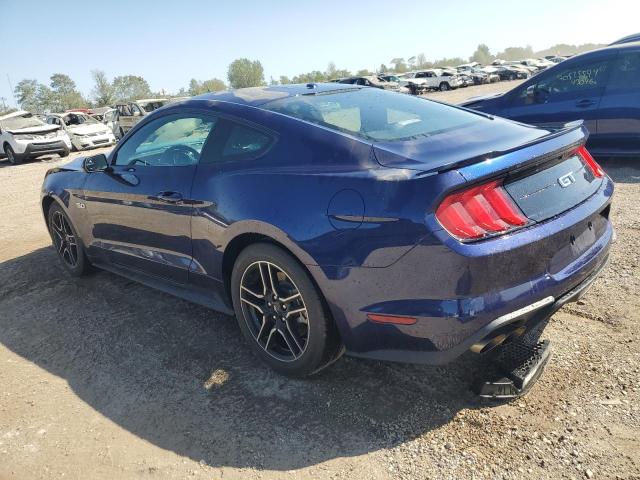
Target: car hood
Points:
(473, 142)
(480, 98)
(85, 129)
(74, 165)
(41, 129)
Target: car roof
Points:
(628, 39)
(255, 96)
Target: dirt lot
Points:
(104, 378)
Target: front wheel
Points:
(68, 245)
(281, 313)
(11, 155)
(444, 86)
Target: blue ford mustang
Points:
(332, 218)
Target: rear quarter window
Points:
(244, 141)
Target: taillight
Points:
(479, 212)
(595, 168)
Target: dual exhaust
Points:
(495, 339)
(490, 343)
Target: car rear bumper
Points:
(460, 294)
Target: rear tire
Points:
(64, 154)
(13, 158)
(444, 86)
(281, 312)
(67, 243)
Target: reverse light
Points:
(586, 157)
(480, 211)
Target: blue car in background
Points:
(601, 87)
(331, 218)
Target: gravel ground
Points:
(104, 378)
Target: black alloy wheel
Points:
(281, 312)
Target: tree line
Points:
(62, 93)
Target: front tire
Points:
(444, 86)
(66, 242)
(13, 158)
(281, 312)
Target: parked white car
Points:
(433, 79)
(24, 136)
(84, 131)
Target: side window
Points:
(135, 109)
(172, 141)
(625, 74)
(565, 84)
(244, 142)
(575, 80)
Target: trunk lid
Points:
(539, 167)
(546, 192)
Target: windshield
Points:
(27, 120)
(78, 119)
(374, 114)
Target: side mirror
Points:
(531, 91)
(96, 163)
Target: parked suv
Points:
(24, 136)
(601, 87)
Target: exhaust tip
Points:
(488, 344)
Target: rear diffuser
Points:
(514, 369)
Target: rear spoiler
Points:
(559, 139)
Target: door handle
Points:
(585, 103)
(169, 197)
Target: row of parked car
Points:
(24, 135)
(449, 78)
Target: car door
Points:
(140, 210)
(235, 147)
(563, 94)
(619, 115)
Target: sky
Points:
(170, 42)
